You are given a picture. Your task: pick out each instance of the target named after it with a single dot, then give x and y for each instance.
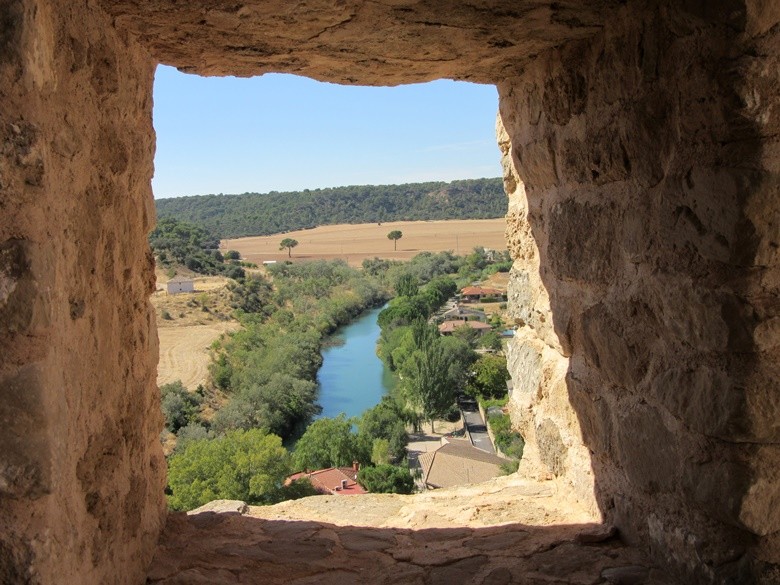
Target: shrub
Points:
(191, 432)
(510, 442)
(386, 479)
(328, 442)
(180, 407)
(235, 272)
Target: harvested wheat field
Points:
(187, 324)
(184, 352)
(354, 243)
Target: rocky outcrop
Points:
(640, 145)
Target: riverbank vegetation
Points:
(255, 214)
(268, 369)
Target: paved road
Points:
(477, 429)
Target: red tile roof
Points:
(329, 481)
(449, 326)
(478, 290)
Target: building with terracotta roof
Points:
(458, 462)
(448, 327)
(477, 293)
(334, 481)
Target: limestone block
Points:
(582, 242)
(646, 449)
(552, 451)
(619, 347)
(705, 398)
(525, 364)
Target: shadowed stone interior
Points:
(640, 149)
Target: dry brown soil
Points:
(356, 242)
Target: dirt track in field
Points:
(354, 243)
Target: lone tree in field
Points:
(395, 235)
(288, 243)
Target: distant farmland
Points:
(355, 242)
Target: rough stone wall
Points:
(383, 42)
(81, 470)
(642, 170)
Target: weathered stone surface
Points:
(376, 43)
(222, 507)
(639, 163)
(81, 471)
(525, 533)
(630, 575)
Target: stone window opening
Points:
(641, 169)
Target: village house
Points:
(332, 481)
(458, 313)
(458, 462)
(180, 285)
(475, 294)
(448, 327)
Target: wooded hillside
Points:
(256, 214)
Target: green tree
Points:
(403, 311)
(192, 432)
(232, 255)
(489, 376)
(328, 442)
(380, 452)
(429, 374)
(288, 243)
(241, 465)
(406, 285)
(395, 235)
(384, 422)
(251, 294)
(490, 340)
(180, 407)
(386, 479)
(274, 404)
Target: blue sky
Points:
(285, 133)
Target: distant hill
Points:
(256, 214)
